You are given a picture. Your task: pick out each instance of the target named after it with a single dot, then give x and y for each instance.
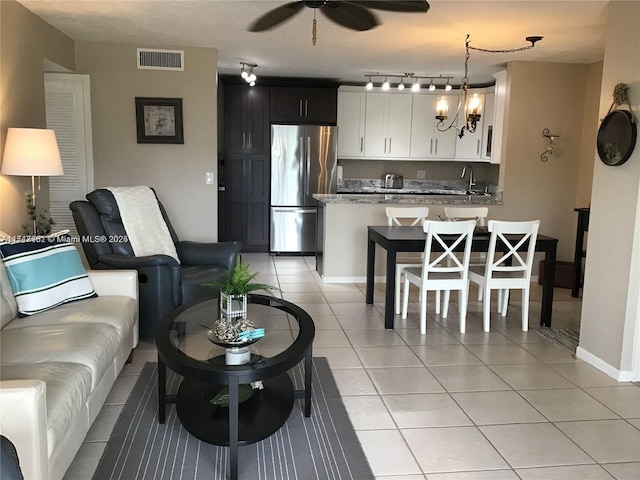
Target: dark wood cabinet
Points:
(247, 202)
(304, 105)
(247, 148)
(246, 120)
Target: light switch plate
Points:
(421, 174)
(208, 178)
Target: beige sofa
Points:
(57, 368)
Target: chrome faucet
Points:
(472, 180)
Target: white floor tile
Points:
(607, 441)
(534, 445)
(453, 449)
(387, 453)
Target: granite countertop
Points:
(415, 187)
(402, 199)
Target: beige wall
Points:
(610, 319)
(25, 41)
(177, 172)
(589, 132)
(553, 96)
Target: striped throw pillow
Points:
(45, 274)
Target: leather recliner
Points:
(163, 282)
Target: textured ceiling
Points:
(424, 44)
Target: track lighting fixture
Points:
(472, 106)
(406, 79)
(448, 87)
(246, 72)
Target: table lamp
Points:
(31, 152)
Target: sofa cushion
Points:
(118, 311)
(68, 386)
(45, 274)
(92, 344)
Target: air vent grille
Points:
(153, 59)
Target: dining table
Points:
(397, 239)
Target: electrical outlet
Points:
(208, 178)
(421, 175)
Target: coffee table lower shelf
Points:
(259, 417)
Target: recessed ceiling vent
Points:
(153, 59)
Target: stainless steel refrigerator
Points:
(303, 162)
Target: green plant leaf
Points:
(241, 281)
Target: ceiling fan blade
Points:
(409, 6)
(276, 16)
(350, 16)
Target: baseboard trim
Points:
(597, 362)
(352, 279)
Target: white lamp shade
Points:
(31, 152)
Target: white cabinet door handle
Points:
(389, 144)
(385, 144)
(300, 107)
(361, 144)
(306, 108)
(436, 146)
(431, 146)
(478, 147)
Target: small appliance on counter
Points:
(392, 181)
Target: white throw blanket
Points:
(146, 229)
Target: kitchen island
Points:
(341, 243)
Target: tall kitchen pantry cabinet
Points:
(247, 148)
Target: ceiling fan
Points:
(352, 14)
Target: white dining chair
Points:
(507, 270)
(441, 268)
(405, 216)
(480, 214)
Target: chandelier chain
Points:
(510, 50)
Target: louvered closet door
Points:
(68, 113)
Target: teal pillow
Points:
(45, 273)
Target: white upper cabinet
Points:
(388, 125)
(469, 147)
(403, 126)
(351, 118)
(427, 142)
(487, 126)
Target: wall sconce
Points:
(549, 151)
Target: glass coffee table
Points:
(184, 347)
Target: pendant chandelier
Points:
(470, 105)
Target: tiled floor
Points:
(498, 406)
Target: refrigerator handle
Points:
(294, 209)
(307, 167)
(303, 170)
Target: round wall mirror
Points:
(616, 137)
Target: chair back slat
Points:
(464, 213)
(514, 260)
(447, 236)
(406, 216)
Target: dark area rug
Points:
(564, 337)
(322, 447)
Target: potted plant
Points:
(234, 291)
